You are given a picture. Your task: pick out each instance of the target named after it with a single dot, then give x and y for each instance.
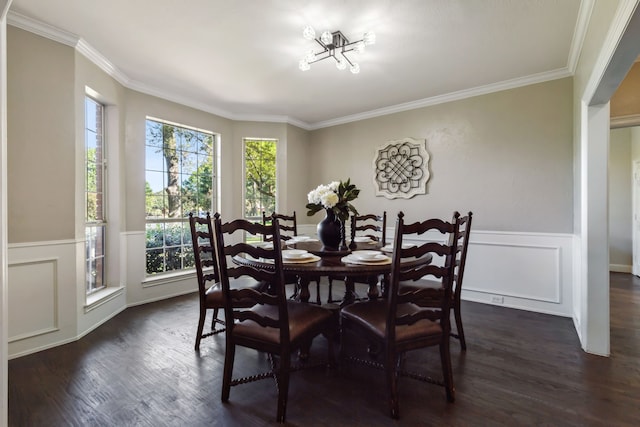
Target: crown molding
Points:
(449, 97)
(40, 28)
(579, 33)
(102, 62)
(624, 121)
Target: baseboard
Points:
(620, 268)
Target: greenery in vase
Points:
(335, 196)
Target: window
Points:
(259, 177)
(180, 177)
(95, 177)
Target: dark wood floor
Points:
(521, 369)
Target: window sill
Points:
(101, 297)
(163, 279)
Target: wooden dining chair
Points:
(274, 325)
(375, 228)
(209, 289)
(288, 224)
(462, 245)
(397, 324)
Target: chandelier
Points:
(335, 45)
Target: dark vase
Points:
(329, 230)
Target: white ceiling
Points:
(240, 58)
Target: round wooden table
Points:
(330, 264)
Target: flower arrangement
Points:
(335, 196)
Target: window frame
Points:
(93, 226)
(275, 141)
(184, 247)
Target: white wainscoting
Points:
(46, 296)
(528, 271)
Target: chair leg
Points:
(215, 317)
(392, 384)
(456, 313)
(445, 359)
(330, 297)
(229, 356)
(203, 314)
(283, 386)
(318, 300)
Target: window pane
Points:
(155, 235)
(173, 234)
(260, 177)
(94, 196)
(155, 261)
(173, 259)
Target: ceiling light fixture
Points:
(335, 45)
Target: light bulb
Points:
(369, 37)
(340, 64)
(359, 47)
(326, 37)
(310, 57)
(304, 65)
(355, 68)
(309, 33)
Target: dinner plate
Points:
(383, 259)
(309, 258)
(362, 239)
(389, 248)
(289, 254)
(367, 255)
(263, 245)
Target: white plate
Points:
(367, 255)
(383, 259)
(264, 245)
(309, 258)
(389, 248)
(295, 254)
(362, 239)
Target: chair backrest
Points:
(288, 224)
(441, 297)
(202, 240)
(370, 225)
(462, 245)
(225, 235)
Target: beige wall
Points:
(505, 156)
(41, 138)
(620, 165)
(626, 100)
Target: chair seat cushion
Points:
(214, 296)
(303, 319)
(372, 315)
(429, 292)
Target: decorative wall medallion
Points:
(401, 169)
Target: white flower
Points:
(329, 199)
(334, 186)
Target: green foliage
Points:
(260, 177)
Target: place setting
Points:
(388, 248)
(367, 258)
(298, 256)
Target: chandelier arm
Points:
(347, 58)
(322, 58)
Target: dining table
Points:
(362, 258)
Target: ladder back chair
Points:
(397, 324)
(274, 325)
(209, 289)
(288, 224)
(375, 228)
(461, 258)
